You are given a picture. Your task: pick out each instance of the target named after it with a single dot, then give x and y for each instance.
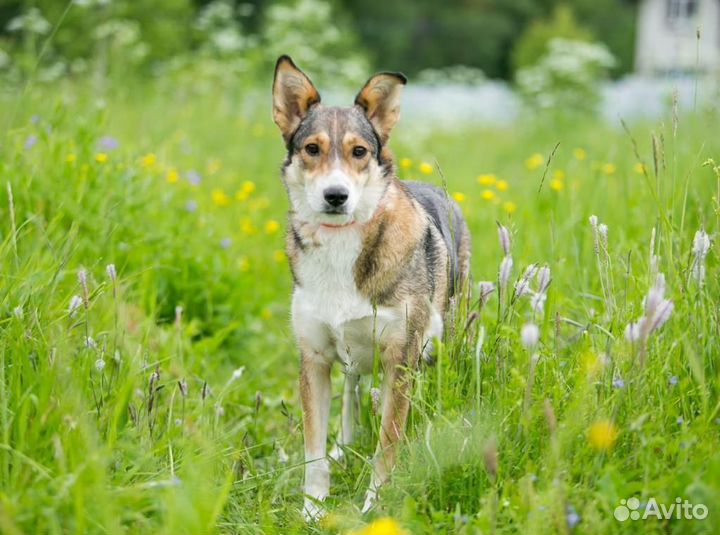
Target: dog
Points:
(376, 262)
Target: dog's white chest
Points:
(328, 307)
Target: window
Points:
(681, 9)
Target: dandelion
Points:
(700, 249)
(579, 154)
(271, 227)
(381, 526)
(30, 141)
(219, 197)
(425, 168)
(70, 158)
(279, 256)
(75, 303)
(193, 177)
(602, 435)
(639, 168)
(535, 161)
(529, 335)
(609, 168)
(502, 185)
(101, 157)
(458, 196)
(556, 185)
(248, 186)
(148, 161)
(509, 207)
(487, 194)
(488, 179)
(172, 176)
(100, 365)
(405, 163)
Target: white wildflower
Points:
(75, 303)
(701, 247)
(238, 373)
(110, 270)
(529, 335)
(504, 235)
(100, 365)
(504, 272)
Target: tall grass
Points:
(120, 412)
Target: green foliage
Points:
(533, 43)
(99, 435)
(567, 78)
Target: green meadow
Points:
(160, 395)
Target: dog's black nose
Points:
(336, 195)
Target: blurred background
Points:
(483, 59)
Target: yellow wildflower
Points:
(487, 194)
(172, 175)
(639, 168)
(609, 168)
(602, 435)
(502, 185)
(579, 154)
(535, 161)
(70, 158)
(272, 226)
(213, 167)
(248, 186)
(382, 526)
(487, 179)
(559, 174)
(219, 197)
(509, 207)
(266, 313)
(459, 196)
(556, 184)
(149, 160)
(246, 226)
(279, 256)
(101, 157)
(405, 163)
(425, 168)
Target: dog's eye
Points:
(312, 149)
(359, 152)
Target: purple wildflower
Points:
(191, 205)
(618, 382)
(673, 380)
(108, 143)
(193, 177)
(225, 243)
(30, 141)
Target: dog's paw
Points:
(337, 453)
(370, 499)
(313, 510)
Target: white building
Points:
(667, 36)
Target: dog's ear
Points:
(380, 100)
(293, 95)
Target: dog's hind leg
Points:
(349, 415)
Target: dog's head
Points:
(337, 167)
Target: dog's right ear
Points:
(293, 95)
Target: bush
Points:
(567, 77)
(533, 43)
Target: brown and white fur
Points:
(375, 262)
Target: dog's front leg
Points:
(315, 397)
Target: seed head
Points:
(504, 236)
(529, 335)
(110, 270)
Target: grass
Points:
(188, 421)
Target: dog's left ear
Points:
(293, 95)
(380, 100)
